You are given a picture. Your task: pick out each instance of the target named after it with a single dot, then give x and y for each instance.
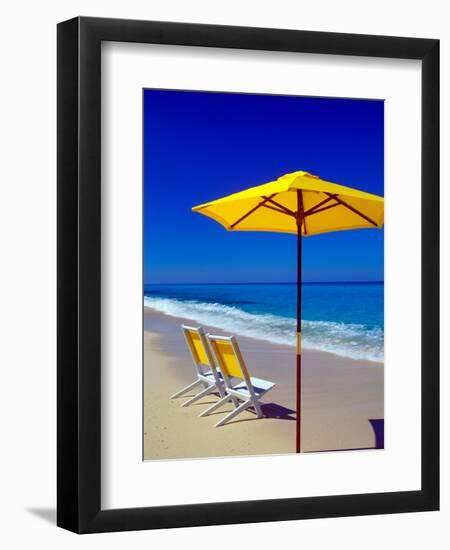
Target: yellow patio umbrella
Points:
(303, 204)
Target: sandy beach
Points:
(342, 400)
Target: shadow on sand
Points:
(269, 410)
(378, 428)
(273, 410)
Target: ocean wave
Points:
(349, 340)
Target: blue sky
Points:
(200, 146)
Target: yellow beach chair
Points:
(205, 366)
(239, 386)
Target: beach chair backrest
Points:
(198, 346)
(229, 357)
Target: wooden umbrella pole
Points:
(299, 320)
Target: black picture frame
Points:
(79, 275)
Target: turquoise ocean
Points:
(342, 318)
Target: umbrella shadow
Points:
(378, 429)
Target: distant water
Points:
(342, 318)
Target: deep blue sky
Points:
(200, 146)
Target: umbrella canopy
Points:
(303, 204)
(326, 207)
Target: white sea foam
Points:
(349, 340)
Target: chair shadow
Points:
(273, 410)
(202, 403)
(269, 410)
(206, 400)
(46, 514)
(377, 425)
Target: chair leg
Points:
(216, 405)
(235, 401)
(234, 413)
(185, 389)
(204, 392)
(258, 410)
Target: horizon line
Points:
(273, 283)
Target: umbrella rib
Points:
(313, 209)
(277, 210)
(322, 209)
(354, 210)
(282, 207)
(277, 207)
(247, 214)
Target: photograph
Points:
(225, 219)
(263, 272)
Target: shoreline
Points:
(257, 341)
(342, 398)
(348, 340)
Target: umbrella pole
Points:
(299, 323)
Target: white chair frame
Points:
(242, 398)
(207, 375)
